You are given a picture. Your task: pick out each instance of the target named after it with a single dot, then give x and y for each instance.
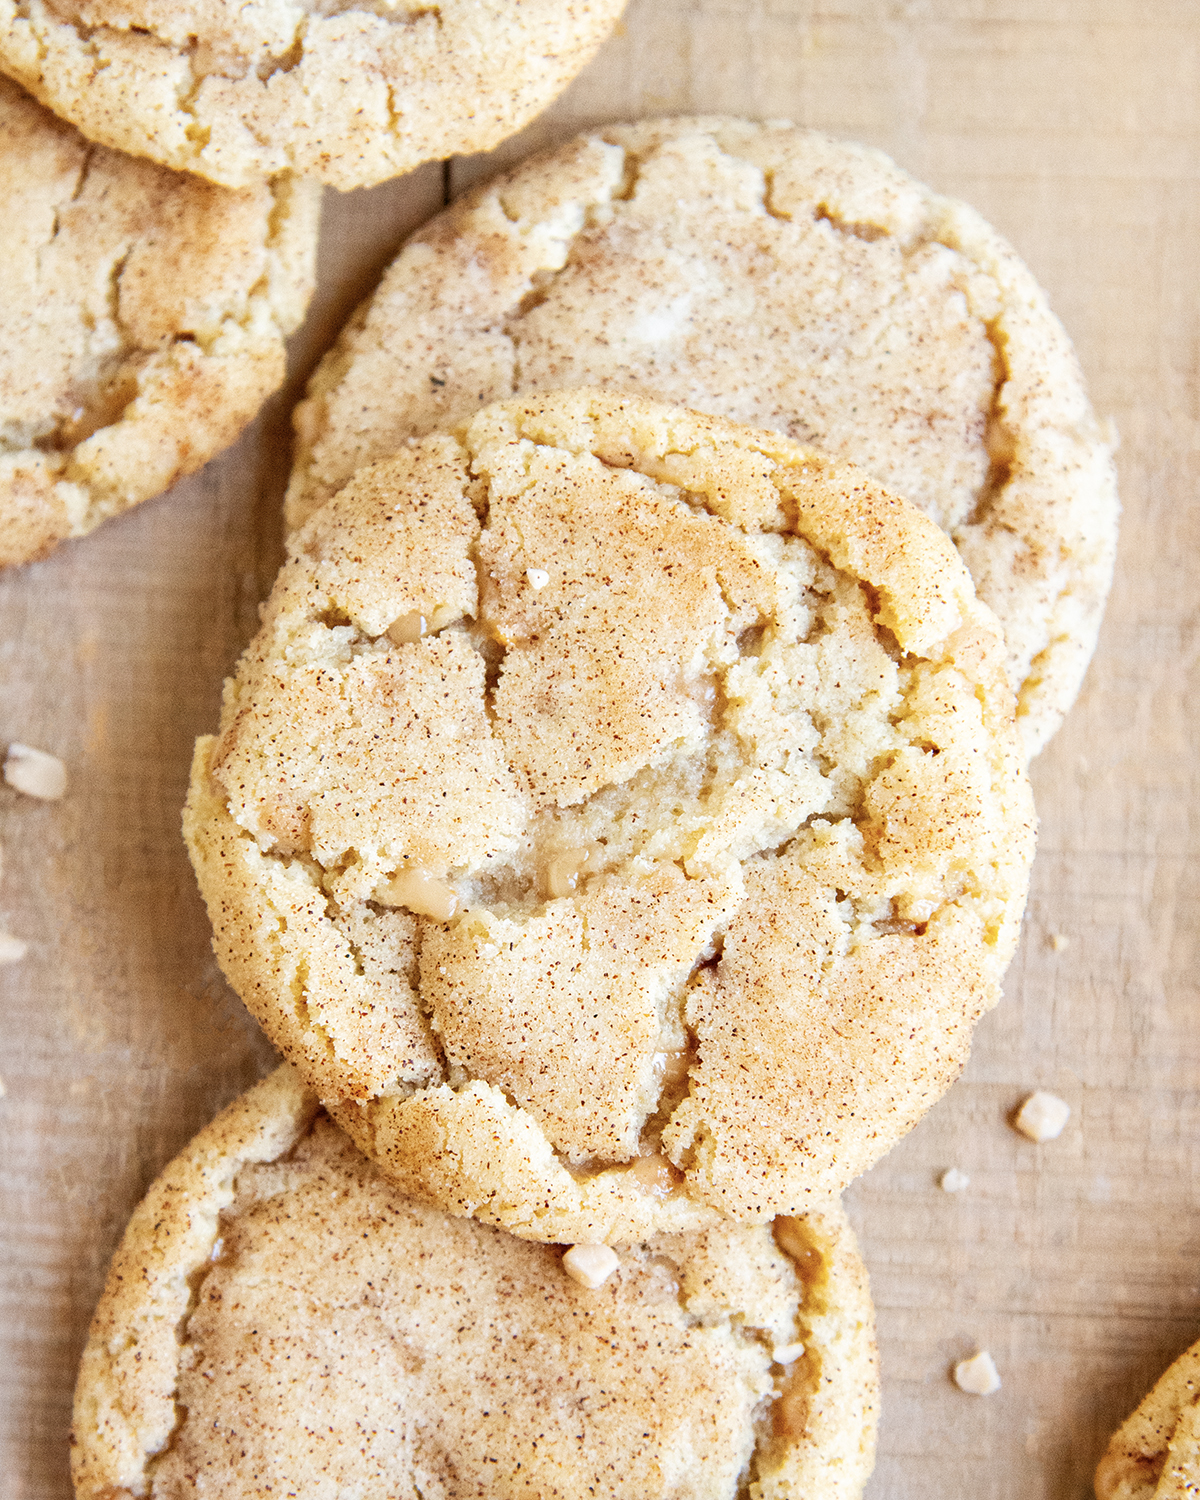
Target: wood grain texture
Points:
(1075, 126)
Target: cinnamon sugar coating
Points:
(346, 93)
(280, 1319)
(142, 325)
(755, 709)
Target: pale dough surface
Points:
(1155, 1453)
(279, 1319)
(739, 694)
(347, 93)
(780, 278)
(142, 323)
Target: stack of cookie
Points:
(620, 820)
(146, 308)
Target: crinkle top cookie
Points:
(279, 1320)
(777, 277)
(1155, 1453)
(347, 93)
(619, 817)
(142, 323)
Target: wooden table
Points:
(1075, 126)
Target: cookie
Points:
(142, 325)
(780, 278)
(619, 818)
(1155, 1453)
(348, 94)
(278, 1319)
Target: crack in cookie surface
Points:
(113, 225)
(889, 361)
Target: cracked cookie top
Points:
(780, 278)
(1155, 1453)
(273, 1274)
(142, 324)
(347, 93)
(619, 817)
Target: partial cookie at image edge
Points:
(270, 93)
(125, 1401)
(1155, 1453)
(144, 323)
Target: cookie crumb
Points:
(538, 577)
(787, 1354)
(37, 773)
(978, 1376)
(12, 949)
(590, 1265)
(1042, 1116)
(954, 1180)
(1059, 941)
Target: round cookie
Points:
(350, 94)
(777, 277)
(618, 819)
(142, 325)
(1155, 1453)
(278, 1319)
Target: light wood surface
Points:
(1075, 126)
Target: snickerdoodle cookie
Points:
(142, 323)
(619, 817)
(1155, 1453)
(347, 91)
(777, 277)
(279, 1319)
